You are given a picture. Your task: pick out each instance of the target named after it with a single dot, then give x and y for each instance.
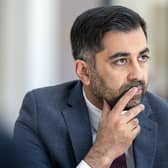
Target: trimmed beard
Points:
(102, 91)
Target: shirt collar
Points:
(94, 112)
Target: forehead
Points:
(117, 41)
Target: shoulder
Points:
(158, 105)
(52, 94)
(57, 89)
(156, 101)
(44, 102)
(43, 107)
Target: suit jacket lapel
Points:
(146, 142)
(78, 124)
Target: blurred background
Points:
(35, 48)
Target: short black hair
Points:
(90, 27)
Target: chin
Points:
(134, 102)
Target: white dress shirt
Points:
(94, 115)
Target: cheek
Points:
(146, 78)
(114, 80)
(146, 74)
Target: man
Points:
(107, 118)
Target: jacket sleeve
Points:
(27, 136)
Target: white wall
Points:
(68, 13)
(30, 51)
(34, 48)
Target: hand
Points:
(115, 133)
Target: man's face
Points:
(122, 65)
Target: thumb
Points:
(106, 107)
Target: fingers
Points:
(129, 117)
(133, 128)
(132, 113)
(106, 109)
(133, 124)
(106, 106)
(121, 104)
(136, 131)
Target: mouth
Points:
(136, 99)
(139, 90)
(140, 85)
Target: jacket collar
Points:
(76, 114)
(146, 142)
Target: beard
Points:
(102, 91)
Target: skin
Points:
(113, 85)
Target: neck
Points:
(92, 98)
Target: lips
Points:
(140, 85)
(139, 90)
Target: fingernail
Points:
(134, 89)
(142, 106)
(123, 112)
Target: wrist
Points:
(97, 159)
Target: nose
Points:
(135, 72)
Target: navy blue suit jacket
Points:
(54, 129)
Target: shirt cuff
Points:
(83, 164)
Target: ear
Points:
(82, 71)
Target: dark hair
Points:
(90, 27)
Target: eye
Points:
(143, 58)
(121, 61)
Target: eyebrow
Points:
(126, 54)
(146, 50)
